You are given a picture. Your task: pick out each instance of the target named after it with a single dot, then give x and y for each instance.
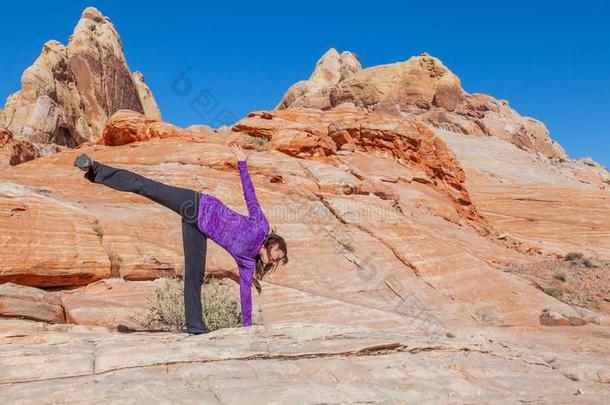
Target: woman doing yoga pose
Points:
(256, 249)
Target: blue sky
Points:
(551, 60)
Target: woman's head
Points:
(273, 252)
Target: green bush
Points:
(573, 256)
(97, 228)
(166, 311)
(256, 140)
(560, 275)
(166, 306)
(219, 309)
(554, 292)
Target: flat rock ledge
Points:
(280, 363)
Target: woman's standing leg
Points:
(183, 201)
(195, 249)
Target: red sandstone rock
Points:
(17, 301)
(315, 133)
(127, 126)
(14, 151)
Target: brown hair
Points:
(261, 269)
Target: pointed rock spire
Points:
(70, 91)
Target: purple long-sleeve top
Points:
(241, 236)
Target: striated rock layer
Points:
(316, 133)
(298, 363)
(380, 217)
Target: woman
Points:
(256, 250)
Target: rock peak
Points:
(331, 53)
(53, 45)
(330, 69)
(333, 67)
(70, 91)
(423, 86)
(92, 13)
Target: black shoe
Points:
(83, 162)
(196, 332)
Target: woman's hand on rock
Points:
(239, 153)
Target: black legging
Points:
(184, 202)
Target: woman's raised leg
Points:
(183, 201)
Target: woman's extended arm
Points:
(246, 272)
(254, 208)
